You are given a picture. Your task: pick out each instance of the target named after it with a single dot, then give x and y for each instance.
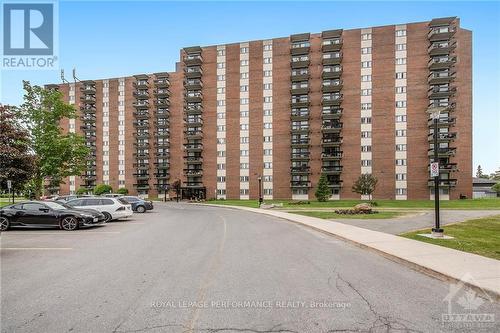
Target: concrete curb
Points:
(479, 273)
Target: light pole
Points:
(260, 191)
(437, 231)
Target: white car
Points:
(111, 208)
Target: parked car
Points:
(112, 208)
(112, 195)
(46, 214)
(138, 205)
(65, 198)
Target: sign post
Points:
(9, 186)
(437, 231)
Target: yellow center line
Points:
(35, 248)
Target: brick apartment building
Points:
(278, 113)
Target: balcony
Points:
(194, 182)
(87, 128)
(162, 154)
(162, 112)
(141, 176)
(88, 89)
(88, 109)
(141, 124)
(299, 90)
(331, 45)
(142, 186)
(299, 129)
(162, 83)
(162, 175)
(191, 110)
(162, 103)
(332, 113)
(141, 135)
(302, 48)
(141, 166)
(141, 105)
(141, 94)
(193, 98)
(441, 63)
(332, 60)
(193, 72)
(193, 135)
(331, 73)
(193, 147)
(141, 154)
(300, 183)
(300, 170)
(161, 93)
(442, 152)
(442, 137)
(300, 143)
(162, 134)
(193, 60)
(300, 64)
(329, 100)
(331, 156)
(193, 173)
(331, 169)
(441, 77)
(299, 102)
(193, 159)
(331, 142)
(141, 145)
(299, 76)
(331, 128)
(441, 48)
(88, 99)
(141, 115)
(446, 167)
(333, 87)
(193, 84)
(443, 122)
(443, 183)
(441, 33)
(304, 156)
(162, 144)
(298, 116)
(141, 83)
(437, 92)
(162, 165)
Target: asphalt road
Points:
(417, 220)
(187, 268)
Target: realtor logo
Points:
(29, 31)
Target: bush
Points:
(81, 190)
(122, 190)
(102, 189)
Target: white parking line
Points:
(36, 248)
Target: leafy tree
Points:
(495, 175)
(122, 190)
(59, 154)
(479, 172)
(365, 185)
(322, 191)
(82, 190)
(102, 188)
(17, 163)
(496, 188)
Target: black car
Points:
(46, 214)
(138, 205)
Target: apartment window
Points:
(268, 112)
(244, 75)
(121, 83)
(401, 162)
(366, 92)
(221, 153)
(268, 86)
(366, 134)
(121, 182)
(366, 106)
(366, 64)
(221, 141)
(268, 99)
(221, 166)
(400, 47)
(221, 65)
(268, 191)
(221, 77)
(221, 52)
(244, 88)
(400, 104)
(400, 132)
(243, 114)
(221, 179)
(244, 179)
(244, 139)
(221, 115)
(366, 78)
(244, 191)
(268, 73)
(400, 61)
(268, 60)
(366, 120)
(366, 149)
(366, 50)
(221, 102)
(268, 125)
(400, 191)
(268, 139)
(221, 90)
(400, 147)
(105, 143)
(244, 127)
(401, 119)
(400, 33)
(401, 176)
(243, 166)
(268, 152)
(243, 152)
(105, 123)
(268, 47)
(366, 163)
(400, 90)
(221, 128)
(221, 192)
(268, 165)
(244, 63)
(105, 104)
(243, 101)
(401, 75)
(243, 50)
(267, 178)
(105, 153)
(367, 36)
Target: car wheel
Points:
(69, 223)
(141, 209)
(107, 216)
(4, 223)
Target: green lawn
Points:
(406, 204)
(332, 215)
(479, 236)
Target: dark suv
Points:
(138, 205)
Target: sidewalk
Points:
(432, 259)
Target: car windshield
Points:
(56, 205)
(122, 201)
(131, 199)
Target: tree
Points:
(102, 188)
(479, 172)
(322, 191)
(495, 175)
(82, 190)
(122, 190)
(365, 185)
(17, 163)
(496, 188)
(59, 154)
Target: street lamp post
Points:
(437, 231)
(260, 191)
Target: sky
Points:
(113, 39)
